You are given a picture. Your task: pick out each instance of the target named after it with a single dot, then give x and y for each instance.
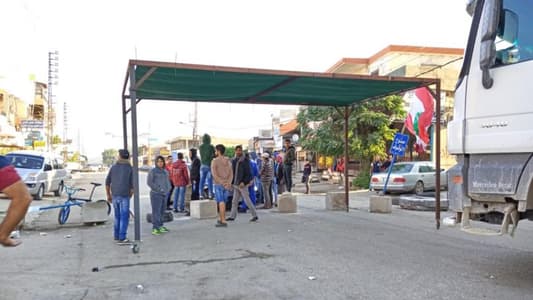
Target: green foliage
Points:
(368, 129)
(230, 152)
(109, 156)
(362, 180)
(74, 158)
(56, 140)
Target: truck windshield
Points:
(25, 161)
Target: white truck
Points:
(492, 129)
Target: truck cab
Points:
(491, 133)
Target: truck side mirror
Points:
(489, 29)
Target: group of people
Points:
(237, 178)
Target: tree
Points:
(75, 157)
(230, 152)
(56, 140)
(109, 156)
(369, 129)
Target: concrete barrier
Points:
(287, 203)
(94, 212)
(381, 204)
(204, 209)
(336, 200)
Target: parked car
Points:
(406, 177)
(42, 172)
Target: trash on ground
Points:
(311, 277)
(68, 236)
(95, 269)
(449, 221)
(43, 233)
(140, 288)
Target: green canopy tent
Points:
(203, 83)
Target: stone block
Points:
(422, 203)
(381, 204)
(94, 212)
(204, 209)
(287, 203)
(336, 200)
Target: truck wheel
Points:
(40, 193)
(59, 190)
(419, 187)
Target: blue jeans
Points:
(251, 195)
(179, 197)
(121, 207)
(221, 194)
(275, 190)
(259, 184)
(205, 174)
(159, 204)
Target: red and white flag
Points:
(420, 115)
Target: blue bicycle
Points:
(64, 211)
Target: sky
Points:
(95, 39)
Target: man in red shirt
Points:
(16, 190)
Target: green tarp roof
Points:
(203, 83)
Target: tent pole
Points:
(124, 123)
(346, 186)
(437, 155)
(135, 155)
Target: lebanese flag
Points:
(420, 115)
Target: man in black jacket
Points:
(195, 173)
(242, 178)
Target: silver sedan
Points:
(405, 177)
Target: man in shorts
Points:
(222, 173)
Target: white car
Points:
(42, 172)
(414, 176)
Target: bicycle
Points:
(64, 209)
(64, 212)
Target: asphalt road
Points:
(314, 254)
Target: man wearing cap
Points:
(119, 189)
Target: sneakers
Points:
(230, 219)
(221, 224)
(160, 230)
(254, 219)
(123, 242)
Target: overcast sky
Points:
(96, 38)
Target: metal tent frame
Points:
(203, 83)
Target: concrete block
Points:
(204, 209)
(336, 200)
(287, 203)
(422, 203)
(94, 212)
(381, 204)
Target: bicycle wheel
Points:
(64, 212)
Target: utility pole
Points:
(65, 131)
(53, 59)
